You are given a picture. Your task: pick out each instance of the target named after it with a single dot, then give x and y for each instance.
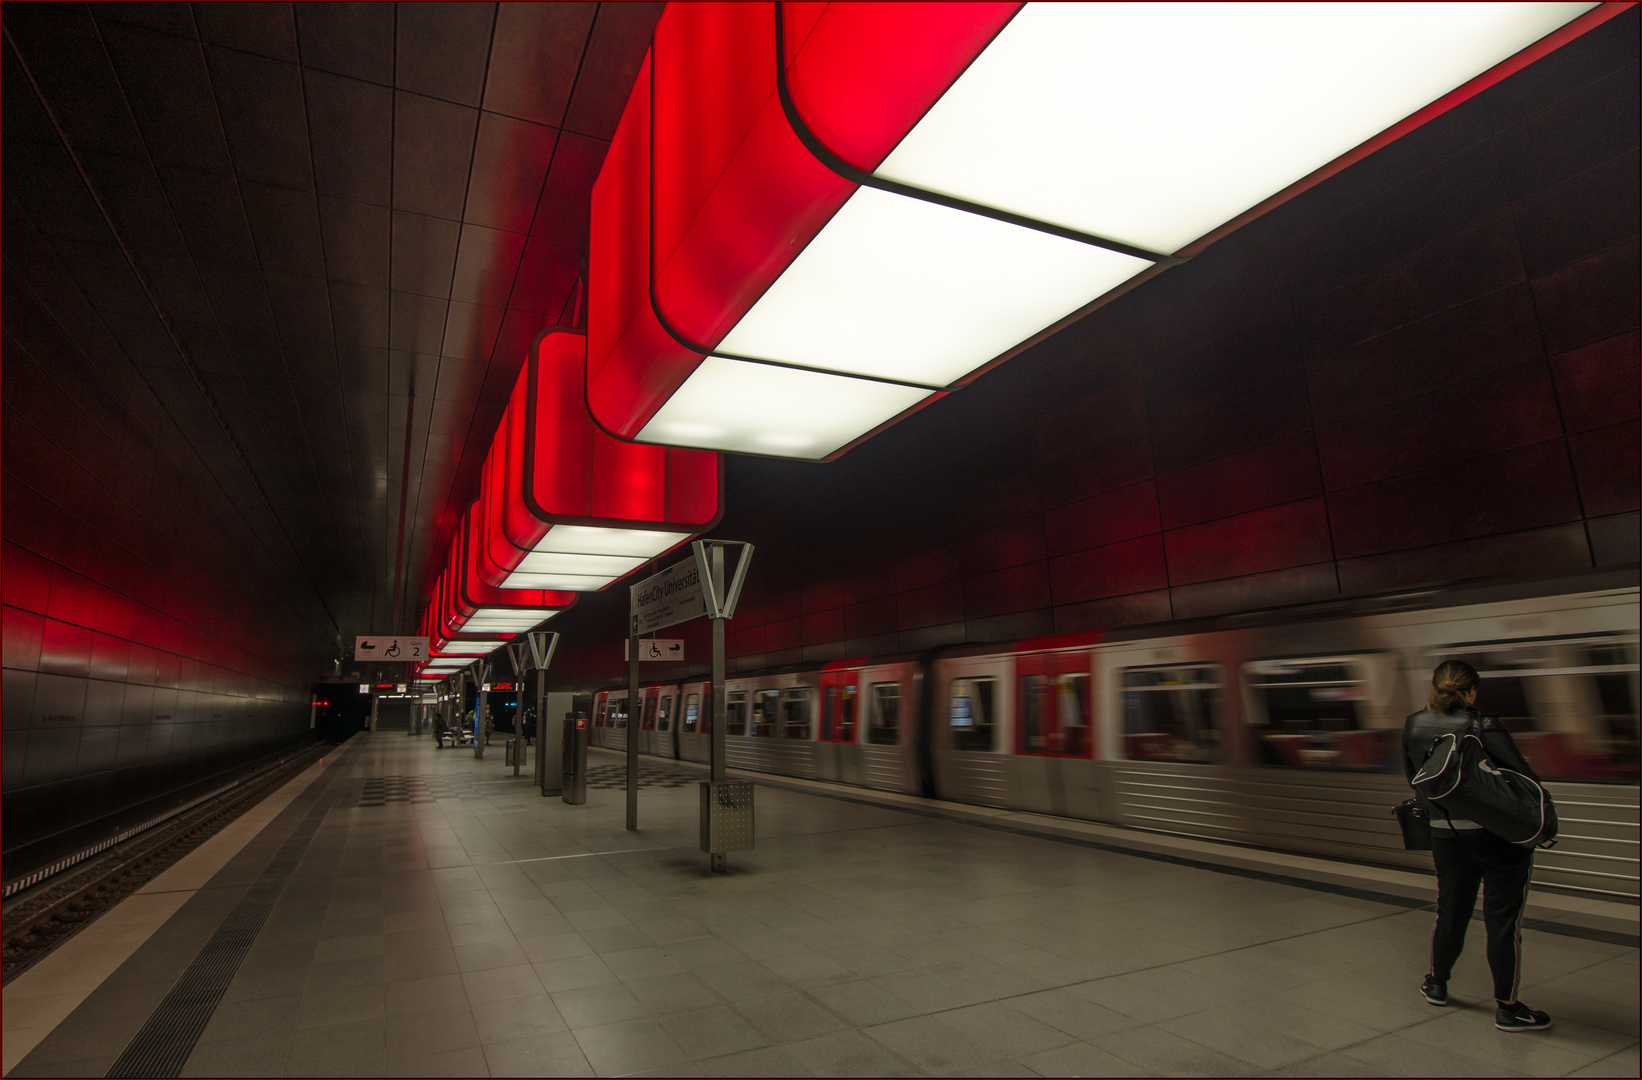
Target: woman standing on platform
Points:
(1467, 855)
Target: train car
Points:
(1278, 730)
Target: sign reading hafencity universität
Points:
(658, 650)
(398, 649)
(672, 596)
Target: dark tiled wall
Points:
(149, 637)
(1422, 371)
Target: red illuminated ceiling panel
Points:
(817, 217)
(484, 609)
(563, 505)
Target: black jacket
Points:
(1426, 727)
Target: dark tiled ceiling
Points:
(324, 233)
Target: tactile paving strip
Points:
(162, 1047)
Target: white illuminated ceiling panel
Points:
(508, 621)
(555, 562)
(1154, 124)
(584, 558)
(761, 409)
(584, 539)
(899, 288)
(469, 648)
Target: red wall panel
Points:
(1599, 384)
(1280, 536)
(1278, 472)
(1117, 515)
(1508, 409)
(1590, 300)
(1504, 492)
(1605, 461)
(1489, 334)
(1129, 567)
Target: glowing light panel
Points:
(903, 289)
(1156, 123)
(760, 409)
(469, 648)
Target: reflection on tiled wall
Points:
(147, 644)
(1423, 371)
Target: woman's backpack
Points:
(1459, 778)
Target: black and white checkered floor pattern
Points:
(381, 790)
(614, 777)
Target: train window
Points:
(649, 714)
(1314, 715)
(766, 713)
(598, 714)
(692, 713)
(735, 713)
(838, 715)
(664, 717)
(618, 713)
(1054, 716)
(973, 725)
(1570, 704)
(1171, 713)
(884, 726)
(795, 712)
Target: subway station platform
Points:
(401, 910)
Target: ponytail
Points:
(1452, 680)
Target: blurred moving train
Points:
(1278, 729)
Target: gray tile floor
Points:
(500, 933)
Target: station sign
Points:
(657, 650)
(391, 649)
(665, 599)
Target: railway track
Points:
(49, 913)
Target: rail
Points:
(48, 912)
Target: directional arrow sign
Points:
(660, 650)
(407, 650)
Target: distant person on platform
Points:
(1467, 855)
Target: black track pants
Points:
(1466, 859)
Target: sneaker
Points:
(1434, 992)
(1519, 1017)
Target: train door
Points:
(890, 707)
(601, 709)
(971, 733)
(798, 727)
(1054, 733)
(666, 727)
(650, 699)
(615, 723)
(837, 755)
(695, 721)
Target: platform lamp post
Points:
(479, 672)
(535, 652)
(688, 590)
(726, 806)
(633, 719)
(549, 737)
